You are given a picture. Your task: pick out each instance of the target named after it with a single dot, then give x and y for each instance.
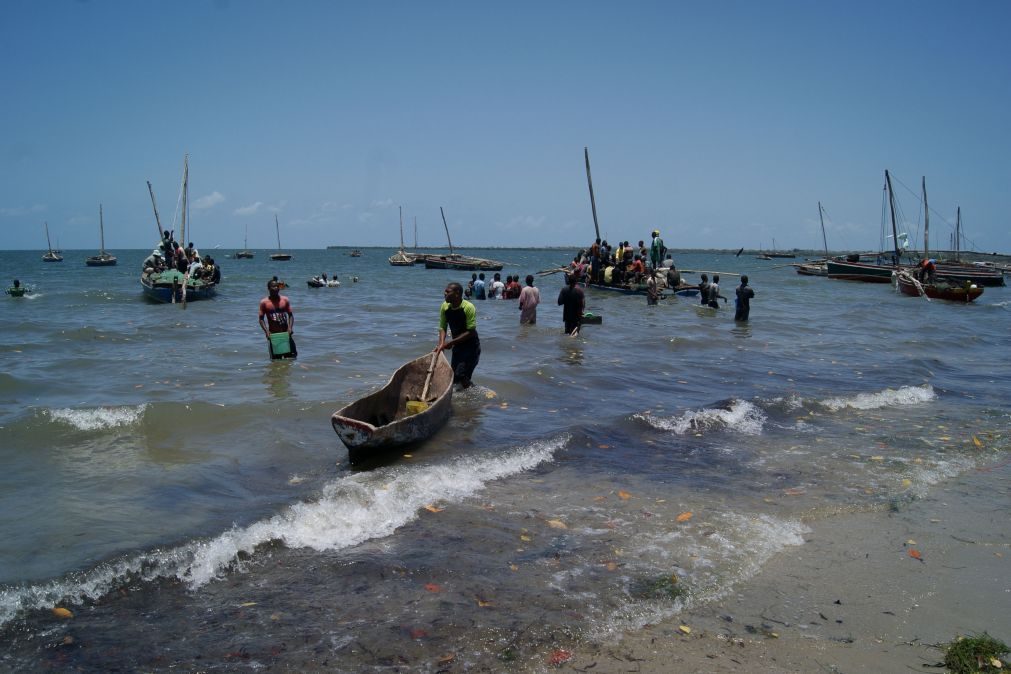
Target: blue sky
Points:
(722, 123)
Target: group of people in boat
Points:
(171, 255)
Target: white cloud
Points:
(211, 199)
(18, 211)
(250, 209)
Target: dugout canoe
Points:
(380, 421)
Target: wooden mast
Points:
(48, 242)
(401, 229)
(447, 231)
(101, 230)
(277, 228)
(926, 221)
(824, 241)
(891, 205)
(157, 220)
(589, 181)
(186, 199)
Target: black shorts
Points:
(464, 359)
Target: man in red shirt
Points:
(276, 318)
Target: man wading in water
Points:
(460, 317)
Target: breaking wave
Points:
(98, 418)
(739, 416)
(907, 395)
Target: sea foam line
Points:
(906, 395)
(351, 510)
(98, 418)
(740, 416)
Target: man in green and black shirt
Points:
(460, 317)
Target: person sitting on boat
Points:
(638, 269)
(196, 268)
(215, 270)
(609, 274)
(928, 267)
(276, 316)
(459, 318)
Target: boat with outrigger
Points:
(170, 285)
(455, 260)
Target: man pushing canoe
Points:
(460, 317)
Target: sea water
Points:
(186, 499)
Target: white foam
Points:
(741, 417)
(351, 510)
(98, 418)
(907, 395)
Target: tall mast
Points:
(278, 228)
(157, 220)
(958, 232)
(415, 232)
(245, 240)
(589, 181)
(891, 205)
(401, 228)
(101, 228)
(447, 230)
(186, 198)
(822, 219)
(926, 220)
(48, 242)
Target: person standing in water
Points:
(276, 317)
(459, 317)
(530, 297)
(744, 295)
(573, 303)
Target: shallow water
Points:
(189, 502)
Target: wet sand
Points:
(852, 598)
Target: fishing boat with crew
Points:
(171, 285)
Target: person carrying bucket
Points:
(277, 322)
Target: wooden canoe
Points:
(381, 421)
(966, 292)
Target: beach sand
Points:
(852, 598)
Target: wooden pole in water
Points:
(589, 181)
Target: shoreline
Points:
(850, 599)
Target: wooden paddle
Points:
(416, 406)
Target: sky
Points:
(721, 123)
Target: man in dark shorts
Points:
(744, 295)
(573, 303)
(276, 317)
(459, 317)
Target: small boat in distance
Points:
(355, 253)
(279, 256)
(400, 258)
(52, 255)
(456, 260)
(103, 259)
(382, 420)
(245, 253)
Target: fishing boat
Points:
(171, 285)
(355, 253)
(51, 255)
(816, 267)
(853, 268)
(245, 253)
(938, 290)
(384, 420)
(279, 256)
(400, 258)
(103, 259)
(457, 261)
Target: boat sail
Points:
(103, 259)
(245, 253)
(171, 285)
(52, 255)
(279, 256)
(400, 258)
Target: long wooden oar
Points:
(416, 406)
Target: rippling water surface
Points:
(188, 502)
